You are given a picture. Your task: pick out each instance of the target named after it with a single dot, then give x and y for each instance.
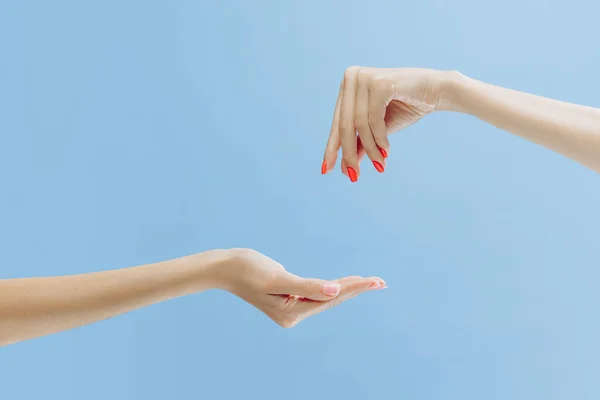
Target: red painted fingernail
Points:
(324, 167)
(352, 174)
(378, 166)
(383, 152)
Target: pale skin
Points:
(375, 102)
(33, 307)
(372, 103)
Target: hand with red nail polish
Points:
(374, 102)
(286, 298)
(371, 104)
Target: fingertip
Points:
(329, 159)
(324, 169)
(384, 152)
(352, 174)
(379, 167)
(351, 169)
(376, 283)
(344, 168)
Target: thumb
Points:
(314, 289)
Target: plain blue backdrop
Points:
(138, 131)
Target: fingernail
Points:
(331, 289)
(352, 174)
(383, 152)
(378, 166)
(374, 286)
(324, 167)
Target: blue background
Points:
(138, 131)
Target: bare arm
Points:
(569, 129)
(34, 307)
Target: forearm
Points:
(34, 307)
(569, 129)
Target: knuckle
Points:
(349, 160)
(380, 85)
(309, 286)
(351, 72)
(378, 80)
(362, 124)
(373, 121)
(362, 76)
(345, 128)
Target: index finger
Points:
(333, 144)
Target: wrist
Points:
(453, 86)
(198, 272)
(221, 268)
